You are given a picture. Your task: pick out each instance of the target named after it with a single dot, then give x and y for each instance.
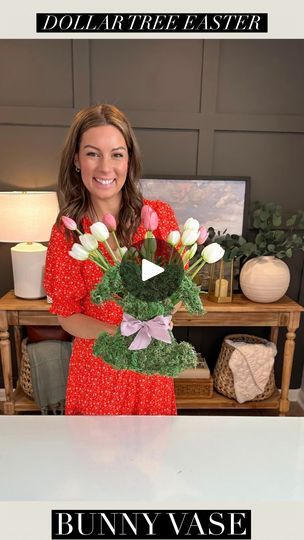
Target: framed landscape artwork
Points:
(220, 202)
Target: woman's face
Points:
(103, 161)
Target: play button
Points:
(151, 271)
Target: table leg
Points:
(18, 340)
(287, 367)
(6, 358)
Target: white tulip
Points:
(78, 252)
(123, 250)
(173, 238)
(100, 231)
(212, 253)
(191, 223)
(119, 253)
(190, 253)
(189, 237)
(88, 241)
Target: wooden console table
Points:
(241, 312)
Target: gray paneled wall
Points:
(229, 107)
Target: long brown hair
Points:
(74, 198)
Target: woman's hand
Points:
(83, 326)
(110, 328)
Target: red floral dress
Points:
(94, 387)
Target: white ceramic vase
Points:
(264, 279)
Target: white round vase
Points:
(264, 279)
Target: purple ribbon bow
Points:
(156, 328)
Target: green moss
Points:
(159, 357)
(109, 286)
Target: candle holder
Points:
(221, 282)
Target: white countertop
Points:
(183, 460)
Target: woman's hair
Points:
(74, 198)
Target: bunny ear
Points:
(188, 294)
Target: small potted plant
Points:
(265, 276)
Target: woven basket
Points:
(25, 376)
(223, 377)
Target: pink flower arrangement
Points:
(192, 236)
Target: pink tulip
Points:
(149, 218)
(110, 222)
(203, 235)
(189, 237)
(153, 221)
(145, 212)
(69, 223)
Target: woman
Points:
(99, 174)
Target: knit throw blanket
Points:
(251, 364)
(49, 362)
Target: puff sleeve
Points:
(63, 280)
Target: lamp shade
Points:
(27, 216)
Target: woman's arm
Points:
(82, 326)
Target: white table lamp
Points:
(28, 217)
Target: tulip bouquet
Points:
(144, 341)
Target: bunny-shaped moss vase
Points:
(144, 342)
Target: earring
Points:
(77, 169)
